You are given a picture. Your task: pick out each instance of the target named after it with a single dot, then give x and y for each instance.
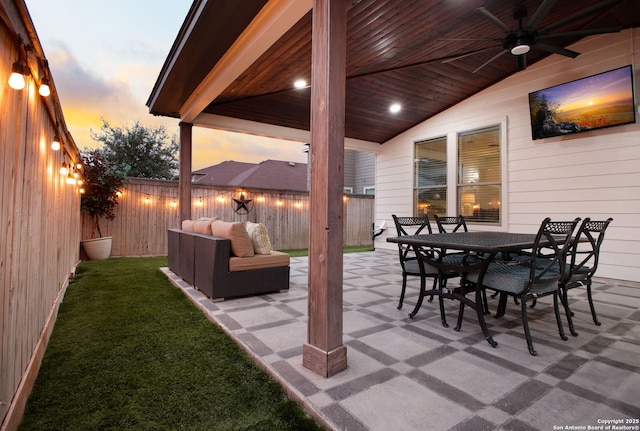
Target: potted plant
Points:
(102, 182)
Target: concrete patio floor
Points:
(414, 374)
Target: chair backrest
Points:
(549, 253)
(457, 222)
(584, 253)
(403, 223)
(411, 222)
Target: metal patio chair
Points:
(582, 263)
(536, 276)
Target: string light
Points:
(55, 144)
(44, 89)
(70, 179)
(16, 80)
(63, 169)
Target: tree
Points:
(102, 182)
(147, 150)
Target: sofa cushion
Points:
(187, 225)
(259, 238)
(203, 225)
(259, 261)
(241, 245)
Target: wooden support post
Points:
(324, 352)
(184, 181)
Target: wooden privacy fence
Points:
(147, 208)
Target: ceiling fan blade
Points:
(522, 62)
(557, 50)
(477, 51)
(490, 60)
(491, 17)
(580, 33)
(583, 13)
(539, 14)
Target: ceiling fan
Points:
(529, 36)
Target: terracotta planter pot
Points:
(98, 248)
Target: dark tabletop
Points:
(486, 242)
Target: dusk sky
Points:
(105, 59)
(595, 90)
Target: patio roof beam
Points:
(230, 124)
(273, 21)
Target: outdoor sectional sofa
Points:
(217, 267)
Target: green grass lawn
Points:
(130, 352)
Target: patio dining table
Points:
(479, 248)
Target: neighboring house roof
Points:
(269, 174)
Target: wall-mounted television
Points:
(594, 102)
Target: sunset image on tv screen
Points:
(598, 101)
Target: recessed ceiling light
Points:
(395, 108)
(300, 83)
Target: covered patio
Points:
(414, 374)
(454, 67)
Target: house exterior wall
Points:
(593, 174)
(359, 170)
(39, 215)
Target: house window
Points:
(347, 190)
(430, 181)
(369, 190)
(479, 175)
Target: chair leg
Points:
(593, 310)
(442, 283)
(485, 303)
(556, 309)
(420, 297)
(564, 298)
(404, 288)
(502, 305)
(525, 325)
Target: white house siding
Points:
(359, 170)
(594, 174)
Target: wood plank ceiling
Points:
(397, 51)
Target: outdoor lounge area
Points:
(414, 374)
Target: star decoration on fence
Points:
(242, 204)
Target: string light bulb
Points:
(63, 169)
(44, 89)
(16, 80)
(55, 144)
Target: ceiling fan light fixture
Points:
(520, 48)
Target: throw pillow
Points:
(241, 245)
(259, 238)
(188, 225)
(203, 225)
